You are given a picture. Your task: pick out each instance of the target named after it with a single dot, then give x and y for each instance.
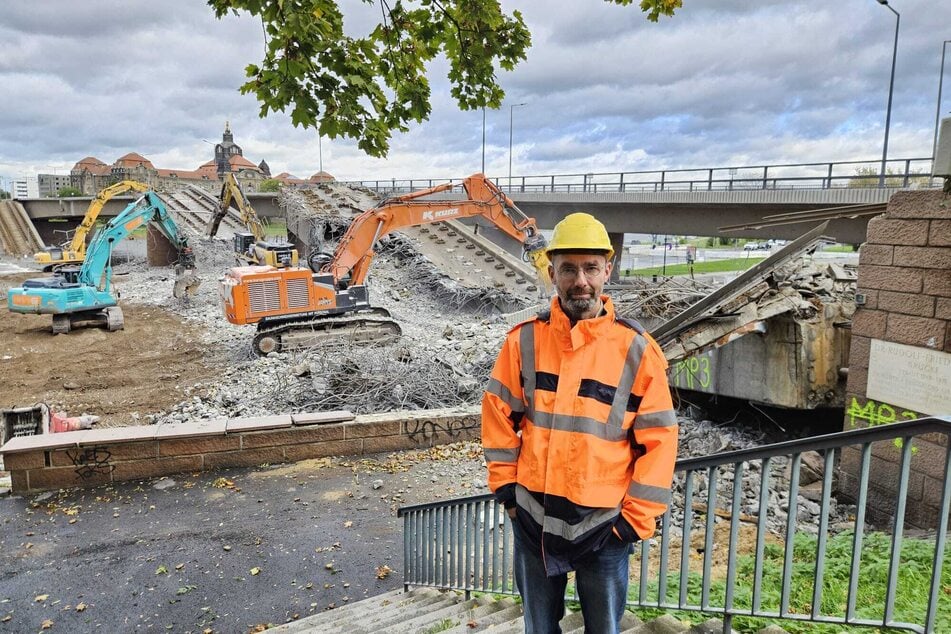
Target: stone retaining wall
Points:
(101, 456)
(905, 278)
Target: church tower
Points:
(225, 150)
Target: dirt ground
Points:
(121, 376)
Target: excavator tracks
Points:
(18, 236)
(370, 327)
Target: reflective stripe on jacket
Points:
(579, 432)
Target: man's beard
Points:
(576, 308)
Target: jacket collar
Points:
(585, 330)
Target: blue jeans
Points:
(601, 579)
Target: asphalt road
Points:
(230, 551)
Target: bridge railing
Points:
(734, 546)
(899, 173)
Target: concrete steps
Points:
(427, 610)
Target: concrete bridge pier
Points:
(617, 243)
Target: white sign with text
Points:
(908, 376)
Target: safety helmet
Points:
(580, 232)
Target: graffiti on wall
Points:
(875, 413)
(90, 461)
(692, 373)
(422, 432)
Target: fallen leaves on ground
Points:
(40, 598)
(47, 624)
(255, 571)
(382, 572)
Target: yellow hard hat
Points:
(580, 232)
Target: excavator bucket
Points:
(186, 283)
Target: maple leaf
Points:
(382, 572)
(47, 624)
(80, 607)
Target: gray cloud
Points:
(723, 82)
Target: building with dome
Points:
(90, 174)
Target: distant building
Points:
(50, 184)
(28, 187)
(90, 174)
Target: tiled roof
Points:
(239, 162)
(92, 165)
(321, 177)
(133, 159)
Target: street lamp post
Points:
(511, 120)
(891, 87)
(937, 112)
(483, 139)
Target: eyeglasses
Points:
(590, 270)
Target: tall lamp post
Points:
(937, 112)
(511, 120)
(483, 139)
(891, 87)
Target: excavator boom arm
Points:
(97, 268)
(484, 199)
(78, 243)
(233, 196)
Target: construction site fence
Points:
(898, 174)
(466, 544)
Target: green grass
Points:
(839, 248)
(442, 626)
(275, 228)
(713, 266)
(914, 578)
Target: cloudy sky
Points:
(724, 82)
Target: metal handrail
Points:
(466, 544)
(730, 178)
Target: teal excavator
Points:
(84, 294)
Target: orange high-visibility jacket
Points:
(579, 432)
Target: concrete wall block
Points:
(947, 338)
(104, 452)
(24, 460)
(906, 303)
(922, 515)
(871, 300)
(941, 440)
(883, 475)
(19, 482)
(933, 489)
(923, 257)
(374, 429)
(199, 445)
(143, 469)
(936, 283)
(889, 278)
(916, 331)
(388, 443)
(940, 233)
(928, 458)
(859, 351)
(884, 230)
(352, 447)
(245, 458)
(876, 254)
(857, 382)
(919, 204)
(130, 450)
(65, 477)
(942, 309)
(869, 323)
(292, 436)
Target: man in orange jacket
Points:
(580, 438)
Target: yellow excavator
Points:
(250, 246)
(74, 251)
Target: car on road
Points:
(755, 246)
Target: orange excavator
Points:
(297, 307)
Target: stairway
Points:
(428, 611)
